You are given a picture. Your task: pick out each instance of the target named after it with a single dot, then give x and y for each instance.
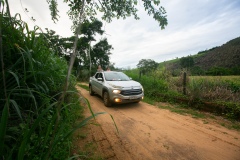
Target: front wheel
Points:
(106, 99)
(91, 91)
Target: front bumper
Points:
(127, 99)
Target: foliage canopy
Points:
(187, 62)
(147, 65)
(111, 9)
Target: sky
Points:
(193, 26)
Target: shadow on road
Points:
(119, 106)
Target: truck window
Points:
(98, 75)
(116, 76)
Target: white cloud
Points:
(192, 26)
(39, 10)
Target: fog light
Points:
(118, 100)
(142, 97)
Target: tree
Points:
(147, 65)
(187, 62)
(55, 42)
(100, 53)
(63, 46)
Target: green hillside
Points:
(221, 60)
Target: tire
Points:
(106, 99)
(91, 91)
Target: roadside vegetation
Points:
(215, 94)
(34, 123)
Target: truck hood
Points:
(125, 84)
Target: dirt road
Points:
(149, 133)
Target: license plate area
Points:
(133, 97)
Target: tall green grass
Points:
(222, 92)
(154, 86)
(215, 88)
(34, 124)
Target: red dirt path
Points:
(149, 133)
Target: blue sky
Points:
(193, 26)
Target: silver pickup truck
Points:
(115, 87)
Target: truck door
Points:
(94, 82)
(99, 84)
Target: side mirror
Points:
(99, 79)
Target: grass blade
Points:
(89, 106)
(81, 124)
(114, 124)
(16, 108)
(16, 77)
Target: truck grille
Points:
(131, 92)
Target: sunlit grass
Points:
(182, 110)
(148, 100)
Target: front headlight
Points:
(116, 91)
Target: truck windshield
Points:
(116, 76)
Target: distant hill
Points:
(225, 57)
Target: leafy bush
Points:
(196, 70)
(215, 71)
(152, 85)
(187, 62)
(232, 110)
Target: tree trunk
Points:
(73, 55)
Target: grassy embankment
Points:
(215, 94)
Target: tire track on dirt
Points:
(209, 130)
